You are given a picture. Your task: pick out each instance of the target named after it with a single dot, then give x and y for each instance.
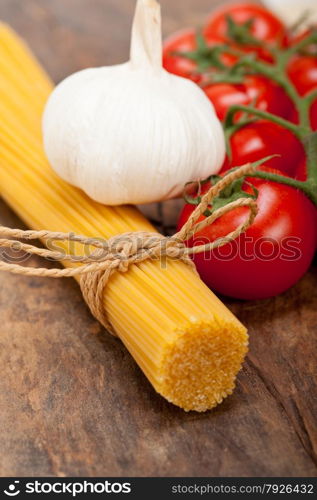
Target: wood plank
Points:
(72, 400)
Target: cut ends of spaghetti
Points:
(200, 366)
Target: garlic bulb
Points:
(132, 133)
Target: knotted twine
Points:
(123, 250)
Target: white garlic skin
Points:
(127, 136)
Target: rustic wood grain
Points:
(72, 400)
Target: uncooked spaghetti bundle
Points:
(185, 340)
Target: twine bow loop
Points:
(194, 225)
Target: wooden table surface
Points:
(73, 402)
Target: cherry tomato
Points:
(265, 26)
(182, 41)
(301, 172)
(256, 90)
(271, 256)
(313, 115)
(302, 70)
(260, 52)
(263, 138)
(186, 41)
(225, 95)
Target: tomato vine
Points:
(209, 58)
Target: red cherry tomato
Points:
(256, 90)
(265, 26)
(301, 172)
(186, 41)
(313, 115)
(225, 95)
(302, 70)
(182, 41)
(271, 256)
(263, 138)
(261, 53)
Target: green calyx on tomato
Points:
(194, 190)
(250, 21)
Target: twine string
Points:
(118, 253)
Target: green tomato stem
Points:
(310, 145)
(306, 186)
(311, 97)
(298, 131)
(278, 73)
